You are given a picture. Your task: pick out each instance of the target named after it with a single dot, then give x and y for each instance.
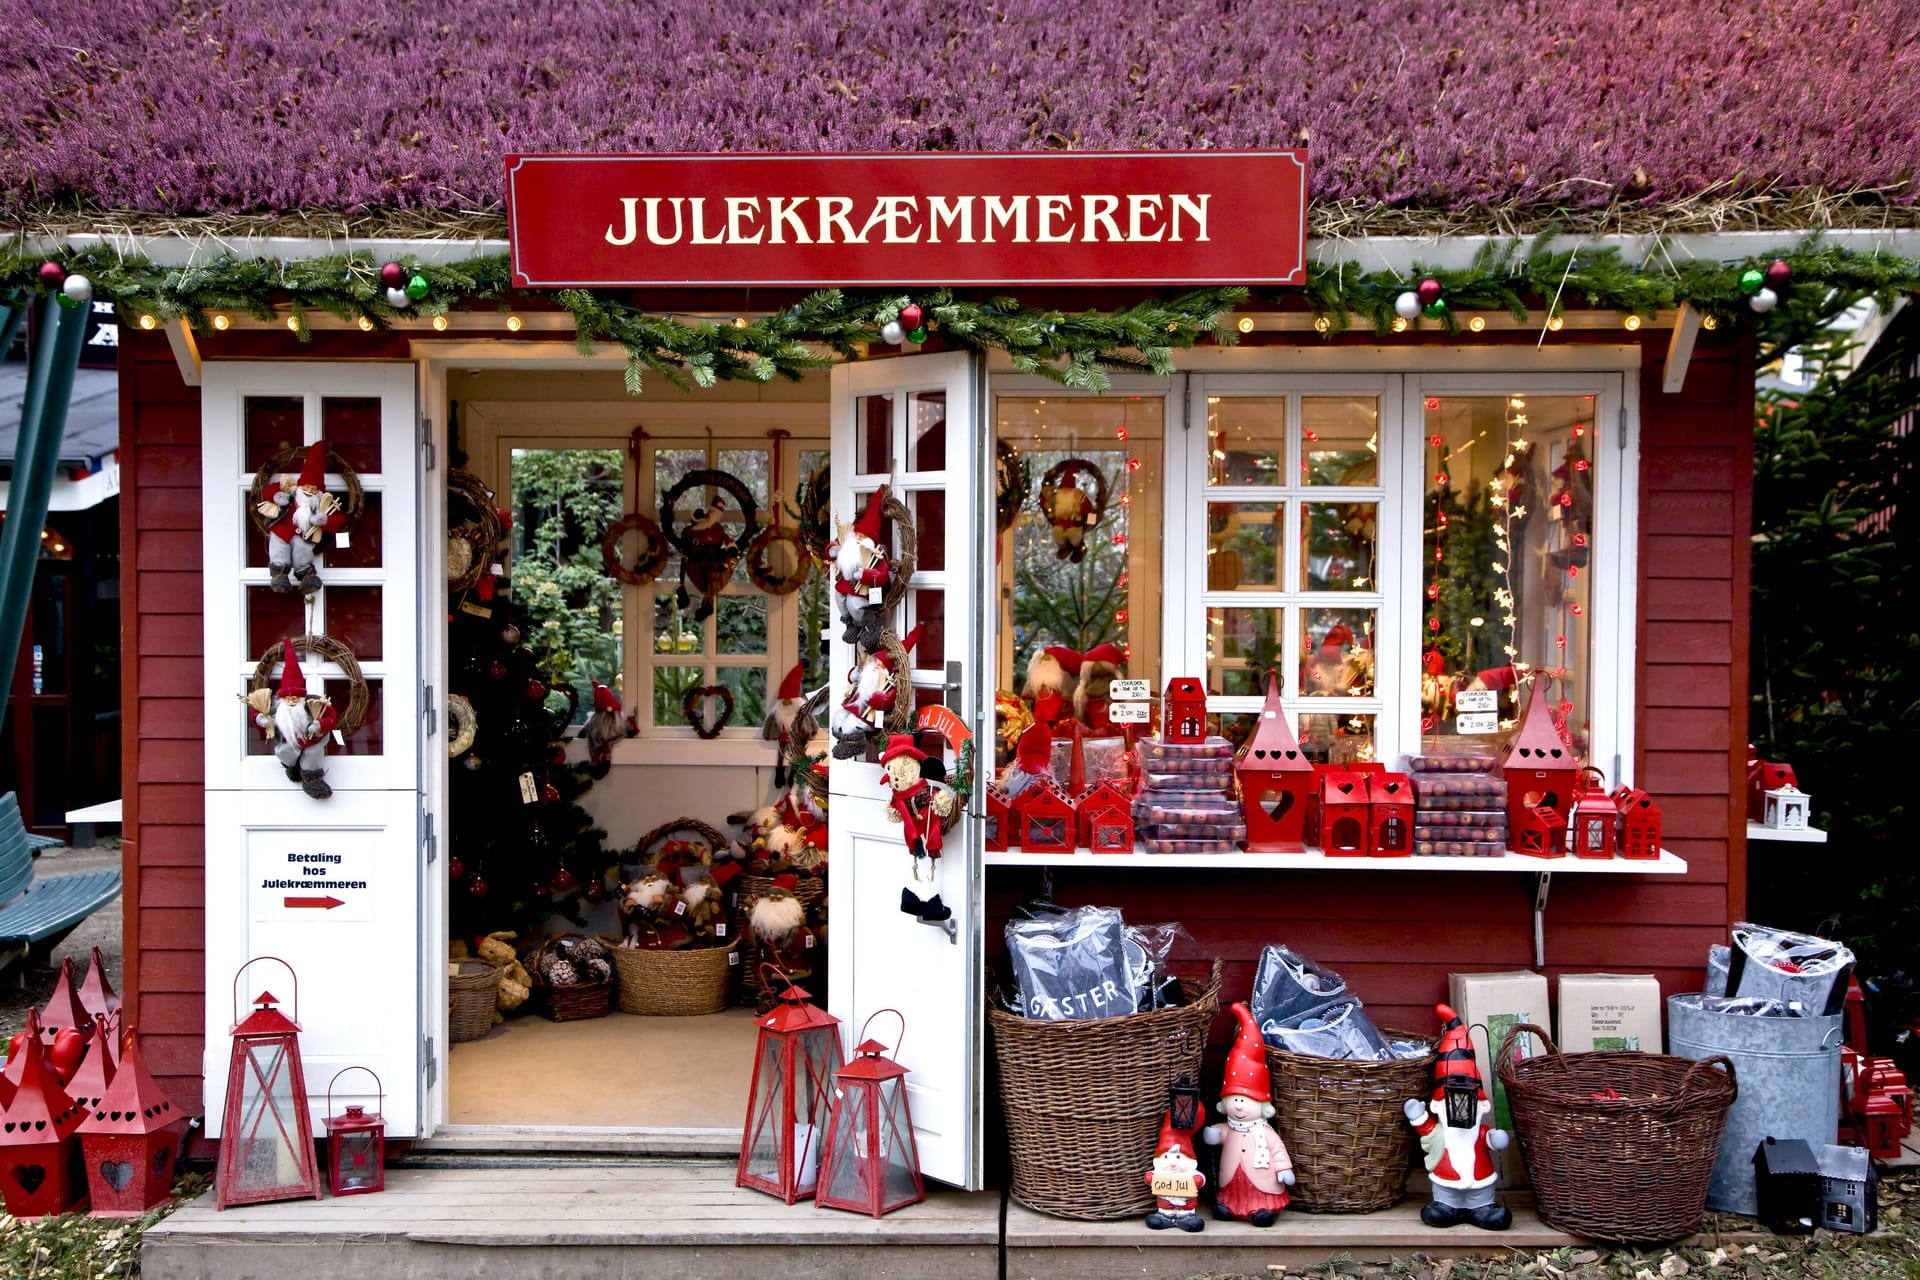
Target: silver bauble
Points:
(892, 334)
(1407, 305)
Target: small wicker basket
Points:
(673, 984)
(473, 988)
(1345, 1126)
(571, 1003)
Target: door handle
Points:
(954, 674)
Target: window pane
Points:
(670, 467)
(749, 688)
(1248, 439)
(927, 430)
(673, 630)
(351, 425)
(1336, 653)
(274, 425)
(930, 615)
(1337, 541)
(1243, 545)
(1339, 440)
(670, 685)
(1507, 564)
(354, 619)
(1243, 645)
(873, 435)
(362, 542)
(741, 624)
(1336, 739)
(930, 525)
(750, 466)
(563, 501)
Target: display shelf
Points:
(1804, 835)
(1668, 864)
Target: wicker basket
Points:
(1630, 1169)
(1345, 1127)
(694, 843)
(473, 988)
(568, 1004)
(662, 983)
(1084, 1159)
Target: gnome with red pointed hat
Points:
(1100, 666)
(1457, 1137)
(1175, 1180)
(873, 690)
(860, 572)
(1255, 1169)
(303, 513)
(779, 724)
(297, 725)
(1050, 673)
(603, 726)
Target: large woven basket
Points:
(1633, 1168)
(473, 988)
(1084, 1100)
(1345, 1126)
(572, 1003)
(662, 983)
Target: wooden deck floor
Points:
(506, 1219)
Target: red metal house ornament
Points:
(794, 1068)
(40, 1169)
(1276, 778)
(1540, 768)
(1000, 827)
(1346, 817)
(1043, 819)
(1183, 711)
(64, 1011)
(1594, 819)
(1106, 819)
(1391, 814)
(131, 1141)
(870, 1164)
(356, 1142)
(1639, 823)
(1540, 832)
(266, 1135)
(96, 993)
(90, 1080)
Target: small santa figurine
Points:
(873, 689)
(1175, 1181)
(709, 561)
(303, 513)
(913, 802)
(778, 921)
(1457, 1137)
(1255, 1169)
(1050, 673)
(778, 726)
(1100, 666)
(1070, 516)
(297, 726)
(860, 572)
(652, 915)
(603, 726)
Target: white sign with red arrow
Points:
(313, 881)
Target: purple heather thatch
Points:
(245, 106)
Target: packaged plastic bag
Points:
(1746, 1006)
(1287, 984)
(1797, 968)
(1074, 965)
(1337, 1029)
(1154, 987)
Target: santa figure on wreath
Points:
(1457, 1137)
(299, 723)
(860, 571)
(303, 513)
(1255, 1169)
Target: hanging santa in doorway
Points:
(297, 726)
(860, 573)
(303, 514)
(1255, 1169)
(1457, 1137)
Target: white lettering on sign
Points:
(1477, 722)
(1128, 713)
(1077, 1005)
(311, 883)
(1477, 700)
(1129, 691)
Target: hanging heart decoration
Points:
(696, 705)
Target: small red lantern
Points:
(356, 1142)
(90, 1080)
(1183, 713)
(40, 1169)
(1540, 833)
(1000, 827)
(96, 993)
(266, 1135)
(64, 1011)
(870, 1164)
(1391, 814)
(1346, 820)
(1639, 823)
(132, 1140)
(793, 1073)
(1594, 818)
(1275, 779)
(1043, 819)
(1540, 768)
(1106, 818)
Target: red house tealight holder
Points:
(1539, 832)
(1391, 814)
(1764, 776)
(1044, 820)
(1000, 828)
(132, 1140)
(1594, 821)
(1540, 768)
(40, 1161)
(1276, 781)
(1346, 815)
(1639, 824)
(1183, 711)
(1106, 819)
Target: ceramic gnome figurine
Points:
(297, 725)
(860, 573)
(1457, 1137)
(303, 513)
(1175, 1181)
(603, 727)
(1255, 1169)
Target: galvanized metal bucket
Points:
(1789, 1072)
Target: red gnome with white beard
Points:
(297, 726)
(303, 514)
(1255, 1169)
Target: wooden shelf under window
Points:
(1668, 864)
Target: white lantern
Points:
(1786, 809)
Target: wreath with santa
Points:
(709, 549)
(1071, 510)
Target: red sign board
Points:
(941, 218)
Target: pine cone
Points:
(559, 973)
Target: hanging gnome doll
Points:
(1175, 1181)
(603, 727)
(919, 806)
(708, 564)
(860, 573)
(1457, 1137)
(1255, 1169)
(297, 726)
(303, 513)
(1070, 517)
(873, 689)
(778, 727)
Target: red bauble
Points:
(506, 518)
(911, 316)
(52, 275)
(536, 689)
(541, 888)
(564, 881)
(558, 759)
(595, 890)
(393, 276)
(1778, 275)
(1428, 292)
(550, 794)
(455, 867)
(497, 669)
(477, 886)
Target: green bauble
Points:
(1435, 309)
(1751, 279)
(67, 301)
(917, 335)
(418, 288)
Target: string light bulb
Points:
(148, 323)
(1477, 323)
(1246, 324)
(1556, 323)
(739, 322)
(1632, 322)
(221, 323)
(439, 324)
(366, 325)
(1709, 323)
(1321, 324)
(513, 324)
(293, 324)
(1399, 324)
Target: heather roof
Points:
(1500, 113)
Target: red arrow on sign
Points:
(328, 903)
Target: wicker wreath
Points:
(473, 521)
(653, 550)
(669, 856)
(1013, 478)
(856, 745)
(729, 553)
(693, 704)
(466, 725)
(1059, 471)
(288, 462)
(812, 511)
(963, 766)
(327, 649)
(760, 568)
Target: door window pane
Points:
(274, 424)
(563, 502)
(1243, 646)
(1339, 440)
(873, 435)
(930, 524)
(1247, 442)
(1244, 542)
(1337, 546)
(351, 426)
(927, 431)
(1336, 652)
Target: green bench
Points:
(36, 914)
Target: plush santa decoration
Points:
(1050, 674)
(778, 726)
(706, 910)
(778, 922)
(1032, 761)
(303, 513)
(1100, 666)
(917, 805)
(652, 915)
(1255, 1169)
(1457, 1137)
(1175, 1181)
(297, 726)
(873, 689)
(603, 726)
(860, 573)
(1069, 519)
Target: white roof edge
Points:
(1370, 253)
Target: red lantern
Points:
(1346, 820)
(40, 1169)
(1183, 713)
(1639, 823)
(64, 1011)
(1275, 779)
(1391, 814)
(870, 1164)
(1106, 818)
(1539, 767)
(1540, 833)
(1000, 828)
(1043, 820)
(96, 993)
(1593, 819)
(793, 1073)
(91, 1079)
(356, 1143)
(132, 1140)
(266, 1135)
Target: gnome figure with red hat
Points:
(1255, 1169)
(1175, 1180)
(860, 573)
(779, 724)
(303, 513)
(603, 726)
(1100, 666)
(873, 688)
(1457, 1137)
(1050, 673)
(297, 725)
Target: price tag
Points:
(720, 929)
(875, 595)
(1175, 1186)
(499, 570)
(528, 792)
(1129, 691)
(342, 540)
(1477, 722)
(1477, 700)
(339, 739)
(477, 610)
(679, 906)
(808, 944)
(733, 959)
(1128, 713)
(877, 716)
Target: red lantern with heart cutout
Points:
(132, 1140)
(1391, 814)
(1276, 779)
(1540, 768)
(40, 1161)
(1346, 815)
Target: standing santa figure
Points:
(1255, 1169)
(1175, 1181)
(297, 726)
(1457, 1137)
(860, 573)
(1100, 666)
(778, 726)
(1050, 673)
(303, 513)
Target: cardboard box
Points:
(1491, 1004)
(1609, 1011)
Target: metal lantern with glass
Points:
(356, 1142)
(266, 1135)
(793, 1073)
(870, 1164)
